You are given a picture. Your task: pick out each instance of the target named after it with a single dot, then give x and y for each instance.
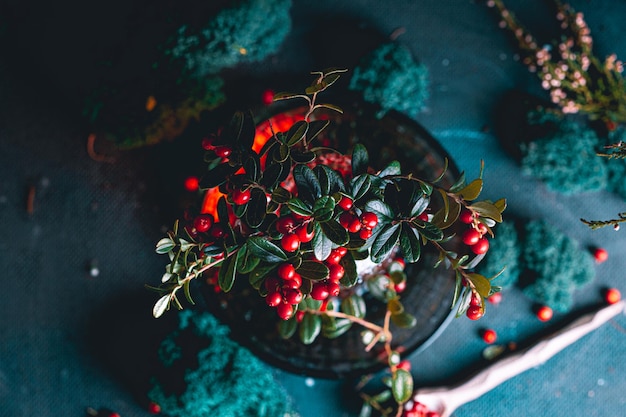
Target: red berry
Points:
(286, 271)
(217, 231)
(192, 184)
(354, 225)
(345, 219)
(369, 219)
(334, 257)
(154, 408)
(612, 295)
(207, 143)
(471, 237)
(285, 224)
(271, 284)
(489, 336)
(341, 250)
(365, 234)
(544, 313)
(267, 97)
(304, 235)
(241, 197)
(203, 222)
(600, 255)
(495, 298)
(319, 291)
(293, 296)
(482, 228)
(273, 299)
(336, 272)
(294, 282)
(223, 151)
(406, 365)
(423, 216)
(476, 300)
(290, 242)
(345, 203)
(333, 289)
(284, 310)
(299, 316)
(400, 286)
(466, 217)
(474, 312)
(480, 247)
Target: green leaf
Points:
(385, 242)
(354, 305)
(322, 245)
(382, 210)
(257, 208)
(323, 209)
(246, 262)
(281, 195)
(282, 154)
(360, 185)
(420, 205)
(308, 185)
(402, 386)
(472, 190)
(332, 329)
(410, 243)
(310, 328)
(429, 231)
(313, 270)
(217, 175)
(273, 174)
(227, 273)
(360, 160)
(447, 215)
(165, 245)
(335, 232)
(257, 276)
(392, 169)
(265, 250)
(302, 157)
(252, 166)
(187, 291)
(297, 132)
(299, 207)
(350, 276)
(395, 307)
(315, 128)
(482, 284)
(487, 209)
(500, 205)
(459, 184)
(161, 306)
(404, 320)
(287, 328)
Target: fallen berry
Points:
(154, 408)
(612, 295)
(191, 184)
(600, 255)
(495, 298)
(544, 313)
(489, 336)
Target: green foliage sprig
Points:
(284, 187)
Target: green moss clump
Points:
(504, 250)
(390, 77)
(565, 160)
(247, 32)
(554, 266)
(206, 374)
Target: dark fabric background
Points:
(53, 337)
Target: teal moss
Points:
(206, 374)
(390, 77)
(553, 266)
(565, 159)
(504, 252)
(616, 167)
(257, 27)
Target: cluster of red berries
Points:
(474, 236)
(295, 231)
(418, 409)
(205, 223)
(475, 309)
(353, 223)
(221, 151)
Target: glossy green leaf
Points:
(257, 208)
(322, 245)
(429, 231)
(392, 169)
(246, 262)
(334, 328)
(222, 211)
(384, 242)
(274, 174)
(335, 232)
(282, 153)
(410, 243)
(350, 276)
(323, 209)
(161, 306)
(309, 188)
(265, 250)
(310, 328)
(187, 291)
(382, 210)
(315, 128)
(297, 132)
(301, 157)
(360, 185)
(472, 190)
(354, 305)
(252, 166)
(313, 270)
(500, 205)
(404, 320)
(258, 274)
(281, 195)
(419, 206)
(164, 245)
(283, 95)
(360, 160)
(482, 284)
(287, 328)
(402, 386)
(446, 216)
(459, 184)
(227, 273)
(395, 307)
(487, 209)
(299, 207)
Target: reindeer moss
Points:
(504, 251)
(206, 374)
(390, 77)
(553, 265)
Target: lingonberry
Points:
(346, 218)
(474, 312)
(480, 247)
(345, 203)
(466, 217)
(495, 298)
(489, 336)
(612, 295)
(191, 184)
(369, 219)
(217, 231)
(400, 286)
(299, 316)
(341, 250)
(333, 288)
(354, 226)
(273, 298)
(476, 300)
(203, 222)
(471, 237)
(292, 295)
(241, 197)
(406, 365)
(285, 224)
(304, 235)
(423, 216)
(290, 242)
(319, 291)
(271, 284)
(207, 143)
(154, 408)
(284, 310)
(600, 255)
(267, 97)
(336, 272)
(365, 233)
(482, 228)
(223, 151)
(294, 282)
(544, 313)
(334, 257)
(286, 271)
